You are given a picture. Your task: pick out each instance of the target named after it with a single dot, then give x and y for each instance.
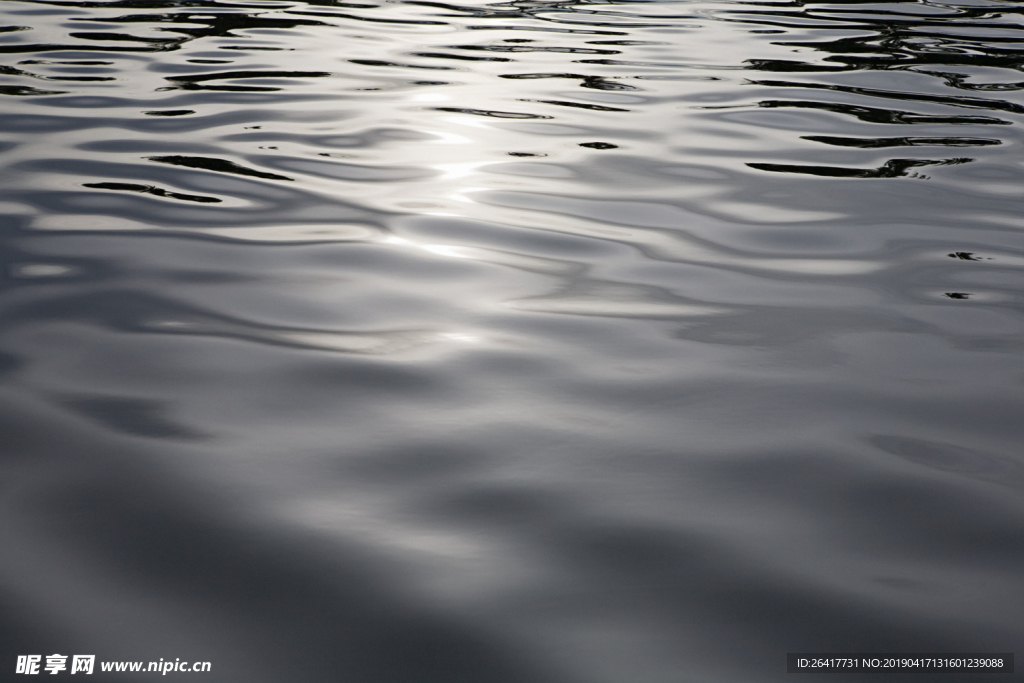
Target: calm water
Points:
(511, 342)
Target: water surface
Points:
(511, 342)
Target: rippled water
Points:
(530, 341)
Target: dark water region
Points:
(511, 342)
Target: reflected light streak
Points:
(450, 250)
(461, 169)
(430, 97)
(461, 337)
(449, 138)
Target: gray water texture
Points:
(533, 341)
